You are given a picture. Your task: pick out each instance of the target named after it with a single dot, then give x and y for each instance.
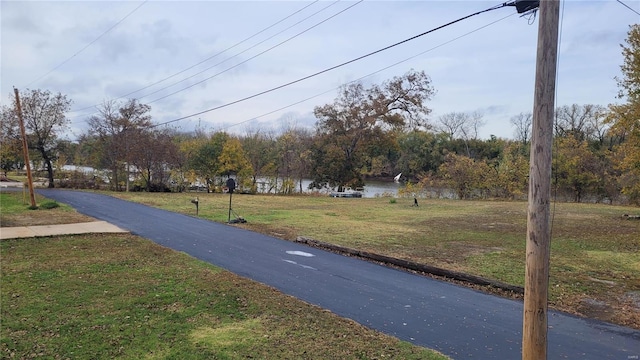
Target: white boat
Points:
(347, 193)
(397, 178)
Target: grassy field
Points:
(595, 252)
(121, 296)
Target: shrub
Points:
(49, 205)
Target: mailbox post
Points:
(196, 202)
(231, 185)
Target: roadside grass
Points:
(595, 252)
(108, 296)
(14, 211)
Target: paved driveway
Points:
(457, 321)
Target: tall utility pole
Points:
(534, 332)
(25, 149)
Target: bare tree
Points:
(598, 127)
(465, 126)
(451, 124)
(575, 121)
(522, 123)
(117, 125)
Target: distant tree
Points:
(511, 173)
(153, 154)
(575, 168)
(522, 122)
(467, 177)
(578, 121)
(233, 161)
(420, 152)
(260, 150)
(44, 119)
(116, 126)
(459, 125)
(292, 158)
(361, 116)
(624, 117)
(204, 158)
(11, 153)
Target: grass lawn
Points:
(121, 296)
(595, 252)
(13, 211)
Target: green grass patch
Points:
(50, 204)
(120, 296)
(15, 210)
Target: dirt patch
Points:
(634, 298)
(595, 309)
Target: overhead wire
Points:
(216, 54)
(89, 44)
(332, 67)
(248, 59)
(628, 7)
(368, 75)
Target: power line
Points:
(216, 54)
(370, 74)
(628, 7)
(249, 59)
(333, 67)
(89, 44)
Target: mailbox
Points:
(231, 185)
(196, 201)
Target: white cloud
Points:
(491, 70)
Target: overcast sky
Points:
(67, 47)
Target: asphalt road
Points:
(457, 321)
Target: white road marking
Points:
(300, 253)
(301, 265)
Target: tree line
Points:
(366, 132)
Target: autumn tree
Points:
(259, 147)
(361, 116)
(510, 178)
(574, 168)
(466, 176)
(624, 118)
(44, 119)
(233, 161)
(204, 158)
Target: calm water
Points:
(371, 188)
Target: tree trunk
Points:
(47, 162)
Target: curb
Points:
(410, 265)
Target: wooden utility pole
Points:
(534, 332)
(25, 149)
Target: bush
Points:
(49, 205)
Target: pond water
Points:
(371, 188)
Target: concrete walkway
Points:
(54, 230)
